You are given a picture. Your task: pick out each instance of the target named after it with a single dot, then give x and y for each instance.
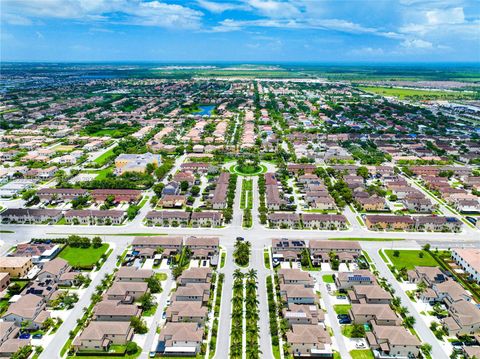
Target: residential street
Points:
(53, 349)
(426, 335)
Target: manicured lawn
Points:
(266, 258)
(328, 278)
(362, 354)
(410, 258)
(105, 157)
(161, 276)
(83, 257)
(342, 308)
(102, 174)
(222, 259)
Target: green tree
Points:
(154, 284)
(139, 326)
(146, 301)
(96, 242)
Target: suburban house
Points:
(30, 215)
(126, 292)
(303, 314)
(167, 218)
(287, 249)
(295, 276)
(54, 269)
(309, 340)
(324, 221)
(195, 292)
(393, 340)
(463, 318)
(180, 312)
(203, 247)
(4, 281)
(369, 294)
(196, 275)
(180, 339)
(9, 341)
(28, 308)
(88, 216)
(346, 251)
(207, 219)
(297, 294)
(17, 267)
(99, 335)
(133, 274)
(219, 200)
(346, 280)
(469, 260)
(146, 246)
(62, 194)
(389, 222)
(113, 311)
(381, 314)
(284, 219)
(118, 195)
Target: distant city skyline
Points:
(302, 31)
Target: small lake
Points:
(205, 110)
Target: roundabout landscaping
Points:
(248, 169)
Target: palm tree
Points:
(421, 287)
(409, 322)
(403, 310)
(396, 301)
(237, 274)
(252, 275)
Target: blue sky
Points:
(241, 30)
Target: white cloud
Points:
(137, 12)
(445, 16)
(275, 9)
(219, 7)
(319, 24)
(417, 44)
(367, 51)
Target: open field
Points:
(410, 258)
(63, 148)
(105, 157)
(406, 93)
(83, 257)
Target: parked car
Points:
(345, 321)
(341, 316)
(164, 315)
(169, 302)
(341, 297)
(37, 336)
(24, 336)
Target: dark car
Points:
(342, 316)
(37, 336)
(240, 238)
(345, 321)
(24, 336)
